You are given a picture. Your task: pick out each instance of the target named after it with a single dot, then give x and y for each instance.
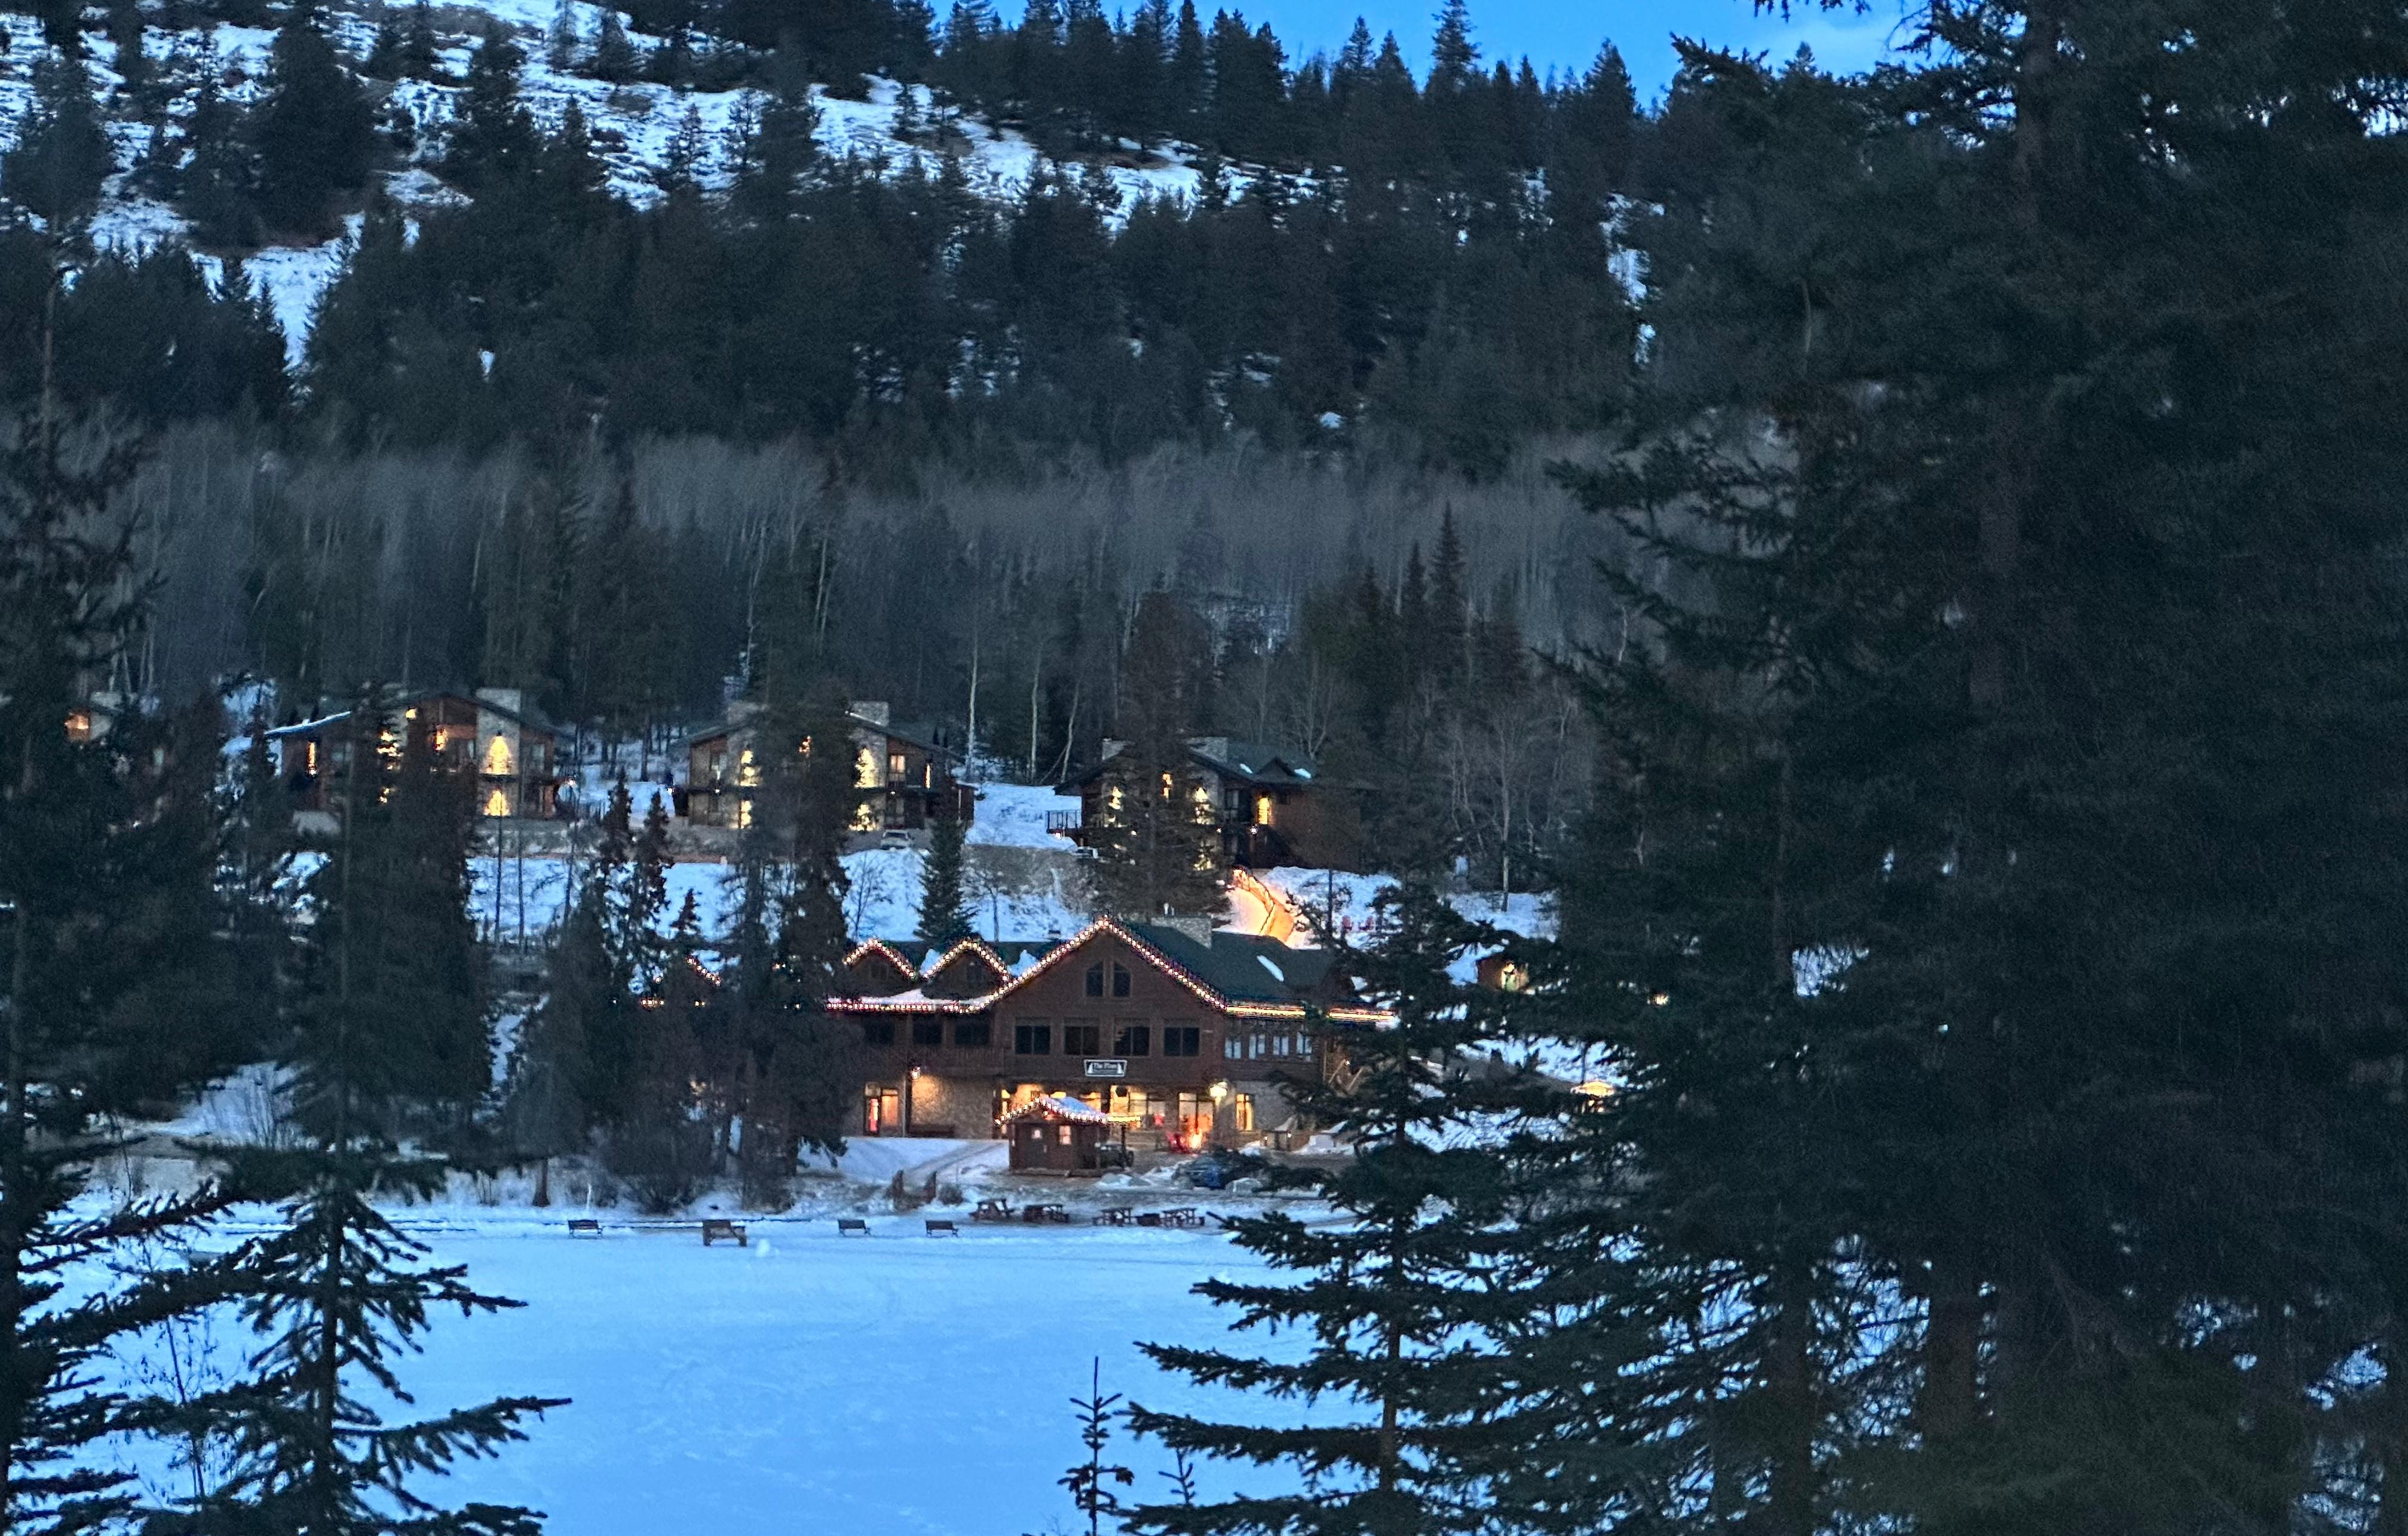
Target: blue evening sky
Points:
(1568, 36)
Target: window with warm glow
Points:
(864, 769)
(895, 764)
(748, 772)
(497, 804)
(79, 726)
(497, 758)
(1262, 811)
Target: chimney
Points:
(511, 700)
(872, 709)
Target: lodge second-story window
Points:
(878, 1031)
(1032, 1040)
(1094, 980)
(1082, 1039)
(973, 1034)
(1133, 1040)
(927, 1032)
(894, 766)
(1181, 1040)
(1120, 981)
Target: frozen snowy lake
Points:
(898, 1384)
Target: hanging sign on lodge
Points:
(1115, 1067)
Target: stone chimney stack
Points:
(513, 700)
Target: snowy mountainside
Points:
(632, 124)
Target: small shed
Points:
(1057, 1134)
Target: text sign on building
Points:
(1108, 1069)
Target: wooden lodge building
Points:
(1177, 1034)
(490, 733)
(1273, 808)
(907, 777)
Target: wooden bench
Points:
(847, 1226)
(714, 1230)
(1113, 1215)
(939, 1227)
(584, 1227)
(992, 1211)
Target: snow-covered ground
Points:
(810, 1383)
(1013, 816)
(1332, 900)
(632, 125)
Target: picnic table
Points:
(1113, 1215)
(1182, 1215)
(1037, 1214)
(851, 1226)
(992, 1211)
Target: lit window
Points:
(748, 772)
(895, 764)
(497, 758)
(1262, 811)
(497, 804)
(864, 769)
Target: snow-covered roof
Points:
(1056, 1108)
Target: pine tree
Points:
(392, 977)
(421, 50)
(944, 905)
(494, 139)
(74, 814)
(1159, 847)
(1395, 1294)
(1453, 54)
(614, 55)
(312, 130)
(218, 187)
(1935, 704)
(61, 155)
(337, 1296)
(560, 40)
